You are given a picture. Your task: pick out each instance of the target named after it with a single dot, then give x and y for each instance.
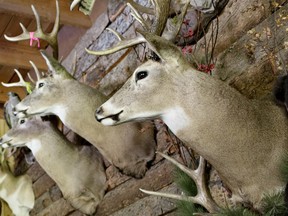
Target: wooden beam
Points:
(46, 10)
(6, 74)
(18, 56)
(1, 112)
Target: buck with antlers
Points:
(244, 140)
(17, 192)
(62, 160)
(129, 147)
(79, 172)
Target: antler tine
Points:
(203, 196)
(31, 79)
(38, 76)
(141, 8)
(38, 22)
(138, 16)
(51, 38)
(162, 8)
(74, 3)
(20, 37)
(21, 83)
(123, 44)
(120, 37)
(56, 23)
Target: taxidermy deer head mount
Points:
(243, 139)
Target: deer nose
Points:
(99, 111)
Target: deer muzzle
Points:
(108, 119)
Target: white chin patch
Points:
(108, 122)
(4, 145)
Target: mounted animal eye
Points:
(141, 75)
(40, 85)
(22, 121)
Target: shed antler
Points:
(203, 196)
(161, 13)
(51, 38)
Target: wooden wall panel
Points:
(3, 127)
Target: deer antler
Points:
(161, 12)
(22, 83)
(51, 38)
(203, 197)
(85, 6)
(38, 76)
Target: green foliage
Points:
(185, 183)
(284, 167)
(236, 212)
(185, 208)
(188, 186)
(274, 205)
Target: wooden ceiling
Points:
(16, 55)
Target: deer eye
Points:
(22, 121)
(141, 75)
(40, 85)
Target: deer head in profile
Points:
(79, 172)
(243, 139)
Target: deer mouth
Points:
(107, 120)
(5, 144)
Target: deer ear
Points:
(55, 67)
(166, 50)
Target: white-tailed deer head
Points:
(17, 192)
(79, 173)
(243, 139)
(129, 147)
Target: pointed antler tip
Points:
(89, 51)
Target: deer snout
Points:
(98, 113)
(107, 119)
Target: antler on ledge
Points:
(51, 38)
(203, 196)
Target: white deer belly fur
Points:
(176, 119)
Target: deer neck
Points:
(227, 129)
(49, 150)
(78, 110)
